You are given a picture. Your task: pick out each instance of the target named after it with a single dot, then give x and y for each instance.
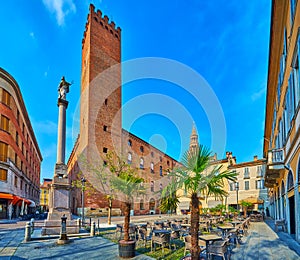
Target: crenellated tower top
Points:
(102, 21)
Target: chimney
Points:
(255, 158)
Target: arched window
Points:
(142, 206)
(290, 181)
(129, 142)
(152, 167)
(142, 163)
(160, 171)
(152, 186)
(152, 204)
(142, 148)
(129, 158)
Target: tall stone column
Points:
(59, 197)
(61, 131)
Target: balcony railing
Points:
(276, 156)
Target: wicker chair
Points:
(219, 248)
(162, 239)
(188, 244)
(143, 236)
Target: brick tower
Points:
(100, 110)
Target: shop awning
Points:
(17, 199)
(6, 196)
(184, 205)
(32, 204)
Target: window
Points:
(160, 186)
(290, 180)
(160, 158)
(259, 184)
(5, 97)
(142, 206)
(142, 148)
(260, 171)
(160, 171)
(246, 185)
(16, 181)
(3, 175)
(105, 150)
(21, 185)
(105, 128)
(246, 173)
(105, 102)
(129, 142)
(168, 163)
(26, 187)
(232, 186)
(141, 163)
(152, 186)
(23, 128)
(129, 158)
(152, 154)
(4, 123)
(152, 167)
(3, 151)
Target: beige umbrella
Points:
(253, 200)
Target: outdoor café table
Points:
(207, 239)
(225, 229)
(161, 231)
(234, 223)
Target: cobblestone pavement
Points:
(264, 244)
(261, 243)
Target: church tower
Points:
(194, 139)
(100, 106)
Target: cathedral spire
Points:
(194, 138)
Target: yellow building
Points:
(282, 135)
(250, 183)
(44, 194)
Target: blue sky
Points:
(226, 42)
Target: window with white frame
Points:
(259, 184)
(129, 158)
(260, 172)
(141, 163)
(152, 167)
(246, 173)
(247, 186)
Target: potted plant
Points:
(246, 205)
(126, 185)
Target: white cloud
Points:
(255, 96)
(61, 8)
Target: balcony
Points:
(275, 167)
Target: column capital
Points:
(62, 102)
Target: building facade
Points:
(282, 135)
(101, 124)
(44, 194)
(20, 156)
(249, 185)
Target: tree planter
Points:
(126, 248)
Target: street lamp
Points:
(83, 181)
(237, 195)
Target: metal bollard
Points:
(79, 223)
(27, 232)
(93, 228)
(32, 225)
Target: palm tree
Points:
(126, 185)
(198, 178)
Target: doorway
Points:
(292, 215)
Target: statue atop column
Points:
(63, 88)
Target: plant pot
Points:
(126, 248)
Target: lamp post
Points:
(237, 195)
(83, 181)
